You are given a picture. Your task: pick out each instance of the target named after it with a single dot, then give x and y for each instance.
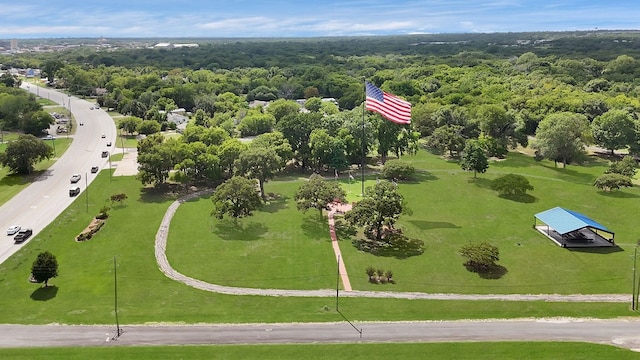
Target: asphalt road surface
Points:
(622, 333)
(42, 201)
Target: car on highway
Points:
(109, 143)
(105, 154)
(103, 136)
(91, 108)
(13, 229)
(49, 137)
(75, 178)
(94, 169)
(81, 123)
(22, 235)
(73, 191)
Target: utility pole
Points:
(115, 292)
(338, 284)
(86, 190)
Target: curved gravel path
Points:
(165, 267)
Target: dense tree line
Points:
(498, 89)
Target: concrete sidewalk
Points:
(128, 166)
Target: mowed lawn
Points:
(467, 350)
(279, 247)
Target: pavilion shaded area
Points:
(571, 229)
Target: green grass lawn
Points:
(281, 248)
(469, 350)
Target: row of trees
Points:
(20, 111)
(497, 100)
(305, 140)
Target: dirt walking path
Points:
(165, 267)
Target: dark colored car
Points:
(74, 191)
(94, 169)
(22, 235)
(105, 154)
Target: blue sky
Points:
(305, 18)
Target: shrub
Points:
(608, 182)
(625, 167)
(104, 213)
(396, 169)
(480, 256)
(511, 185)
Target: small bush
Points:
(396, 169)
(104, 213)
(608, 182)
(511, 185)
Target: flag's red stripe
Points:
(393, 108)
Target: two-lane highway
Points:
(42, 201)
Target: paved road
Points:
(623, 333)
(41, 202)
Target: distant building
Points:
(170, 45)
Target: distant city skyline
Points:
(27, 19)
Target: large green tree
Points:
(22, 153)
(236, 197)
(380, 208)
(474, 158)
(44, 268)
(34, 123)
(614, 129)
(562, 136)
(297, 129)
(156, 158)
(317, 193)
(258, 163)
(501, 125)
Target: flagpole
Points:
(363, 135)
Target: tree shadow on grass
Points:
(522, 198)
(275, 203)
(13, 180)
(399, 247)
(428, 225)
(492, 272)
(481, 182)
(618, 194)
(228, 229)
(420, 176)
(44, 293)
(344, 230)
(571, 174)
(157, 195)
(316, 227)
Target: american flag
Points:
(389, 106)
